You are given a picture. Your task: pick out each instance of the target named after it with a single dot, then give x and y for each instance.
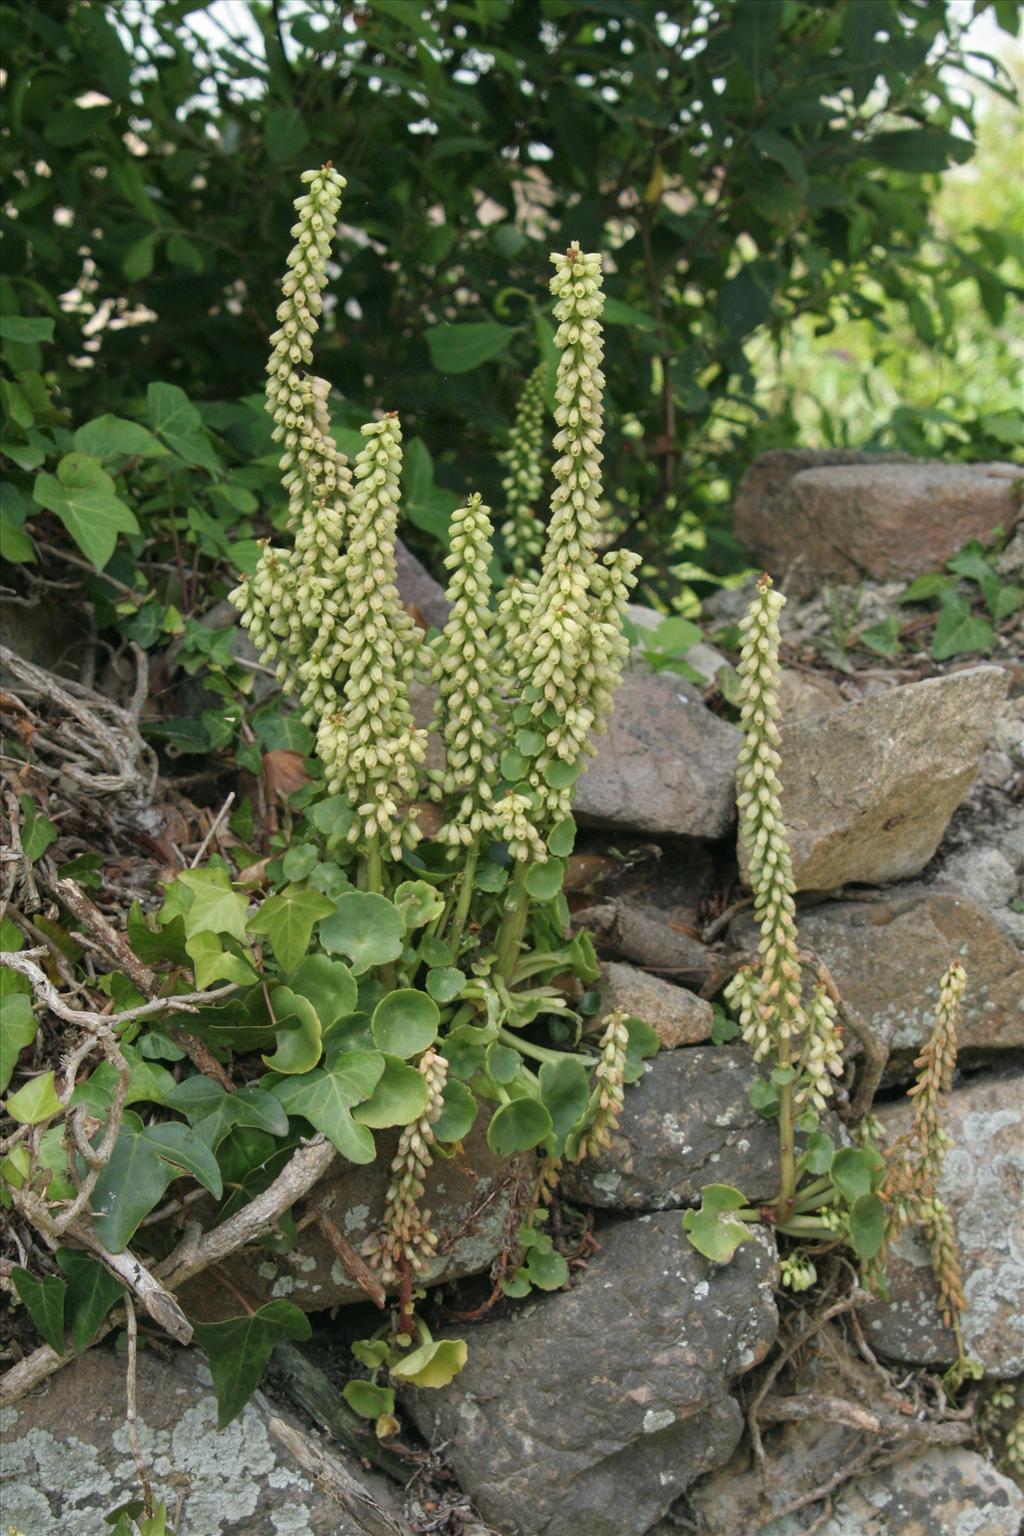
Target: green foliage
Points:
(239, 1349)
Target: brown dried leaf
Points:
(283, 773)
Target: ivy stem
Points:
(465, 897)
(513, 923)
(541, 1052)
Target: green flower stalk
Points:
(610, 1090)
(521, 531)
(513, 822)
(465, 673)
(407, 1236)
(769, 1000)
(283, 606)
(555, 643)
(515, 611)
(370, 744)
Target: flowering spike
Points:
(464, 670)
(521, 531)
(407, 1232)
(609, 1091)
(283, 605)
(370, 745)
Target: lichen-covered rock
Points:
(461, 1192)
(678, 1017)
(887, 954)
(946, 1491)
(882, 518)
(687, 1122)
(868, 788)
(983, 1187)
(590, 1410)
(67, 1461)
(667, 764)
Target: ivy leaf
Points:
(17, 1029)
(44, 1299)
(288, 920)
(214, 905)
(177, 421)
(37, 830)
(460, 348)
(145, 1160)
(884, 638)
(326, 1099)
(92, 1291)
(711, 1229)
(959, 631)
(239, 1348)
(83, 497)
(110, 437)
(212, 962)
(212, 1111)
(366, 927)
(35, 1102)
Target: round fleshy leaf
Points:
(367, 1399)
(565, 1089)
(518, 1126)
(465, 1049)
(548, 1270)
(851, 1172)
(405, 1022)
(418, 902)
(445, 984)
(328, 984)
(818, 1155)
(562, 837)
(299, 1037)
(713, 1230)
(352, 1033)
(459, 1112)
(642, 1042)
(365, 927)
(399, 1097)
(867, 1225)
(433, 1364)
(560, 775)
(503, 1062)
(544, 881)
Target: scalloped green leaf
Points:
(419, 903)
(434, 1364)
(544, 881)
(367, 1399)
(852, 1172)
(329, 985)
(405, 1022)
(867, 1225)
(365, 927)
(298, 1033)
(445, 984)
(399, 1097)
(565, 1091)
(711, 1229)
(518, 1126)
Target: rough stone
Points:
(880, 518)
(803, 694)
(688, 1121)
(944, 1492)
(888, 953)
(983, 1187)
(592, 1409)
(418, 589)
(984, 874)
(648, 936)
(666, 765)
(67, 1459)
(460, 1191)
(677, 1017)
(868, 789)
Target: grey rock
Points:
(944, 1492)
(868, 789)
(468, 1194)
(678, 1017)
(870, 516)
(888, 951)
(418, 589)
(666, 765)
(687, 1122)
(647, 935)
(590, 1410)
(67, 1459)
(983, 1187)
(803, 694)
(984, 874)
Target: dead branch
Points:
(24, 960)
(354, 1266)
(131, 1408)
(307, 1386)
(878, 1421)
(328, 1474)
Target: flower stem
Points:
(513, 923)
(541, 1052)
(465, 897)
